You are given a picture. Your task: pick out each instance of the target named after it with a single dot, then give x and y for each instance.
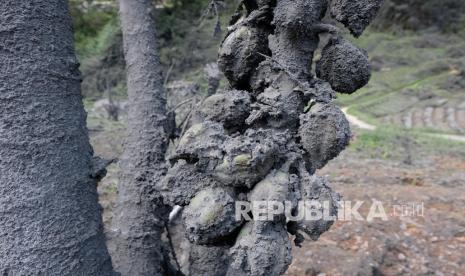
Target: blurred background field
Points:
(408, 141)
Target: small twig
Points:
(325, 28)
(212, 8)
(170, 242)
(168, 74)
(253, 17)
(302, 85)
(180, 104)
(290, 74)
(185, 123)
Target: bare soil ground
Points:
(427, 243)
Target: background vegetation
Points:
(416, 47)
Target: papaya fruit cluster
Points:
(263, 139)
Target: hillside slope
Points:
(418, 82)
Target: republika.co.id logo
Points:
(313, 210)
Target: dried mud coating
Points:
(276, 186)
(208, 260)
(315, 188)
(264, 138)
(230, 108)
(50, 219)
(294, 41)
(278, 107)
(248, 158)
(344, 66)
(203, 143)
(262, 248)
(324, 132)
(183, 181)
(210, 216)
(356, 15)
(240, 54)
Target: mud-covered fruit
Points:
(344, 66)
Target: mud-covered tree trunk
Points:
(50, 219)
(140, 211)
(264, 139)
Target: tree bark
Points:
(50, 219)
(141, 214)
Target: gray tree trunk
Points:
(50, 219)
(141, 213)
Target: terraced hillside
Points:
(418, 82)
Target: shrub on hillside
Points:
(443, 15)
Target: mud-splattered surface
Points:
(401, 246)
